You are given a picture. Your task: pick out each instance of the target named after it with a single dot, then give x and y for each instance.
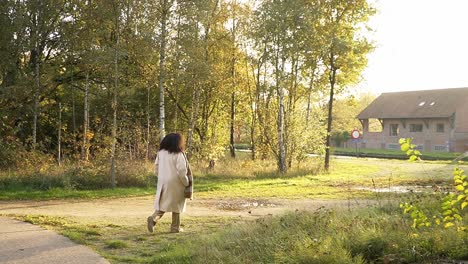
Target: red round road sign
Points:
(355, 134)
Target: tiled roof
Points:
(440, 103)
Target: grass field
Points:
(234, 178)
(242, 178)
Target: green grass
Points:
(242, 178)
(132, 243)
(116, 244)
(372, 235)
(341, 183)
(61, 193)
(394, 154)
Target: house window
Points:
(440, 148)
(440, 128)
(393, 146)
(393, 130)
(416, 128)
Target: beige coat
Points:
(171, 170)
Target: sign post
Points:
(355, 135)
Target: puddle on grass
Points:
(401, 189)
(242, 205)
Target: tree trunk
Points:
(282, 166)
(162, 70)
(148, 120)
(281, 144)
(176, 110)
(231, 138)
(84, 148)
(177, 74)
(72, 48)
(73, 110)
(59, 136)
(233, 77)
(290, 141)
(114, 131)
(114, 104)
(332, 78)
(309, 98)
(37, 93)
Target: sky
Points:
(421, 45)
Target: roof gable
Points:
(441, 103)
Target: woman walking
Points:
(171, 170)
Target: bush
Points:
(78, 176)
(16, 156)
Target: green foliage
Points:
(345, 111)
(44, 176)
(453, 204)
(340, 137)
(461, 183)
(418, 216)
(409, 148)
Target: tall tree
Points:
(43, 20)
(345, 53)
(166, 6)
(116, 31)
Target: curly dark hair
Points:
(173, 143)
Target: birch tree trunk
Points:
(282, 166)
(233, 77)
(254, 109)
(148, 120)
(177, 74)
(162, 70)
(114, 104)
(281, 144)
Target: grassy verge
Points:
(366, 235)
(363, 236)
(63, 193)
(123, 243)
(394, 154)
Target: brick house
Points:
(437, 120)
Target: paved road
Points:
(29, 244)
